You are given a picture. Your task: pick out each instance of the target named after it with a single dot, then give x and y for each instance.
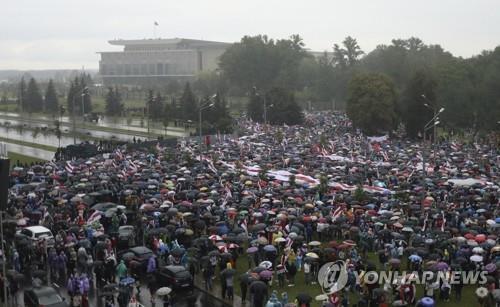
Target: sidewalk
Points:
(217, 292)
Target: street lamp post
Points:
(80, 92)
(435, 112)
(200, 109)
(431, 124)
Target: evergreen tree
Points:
(85, 95)
(150, 100)
(188, 104)
(51, 101)
(71, 100)
(157, 109)
(114, 105)
(34, 100)
(255, 107)
(282, 108)
(22, 95)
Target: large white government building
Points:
(150, 61)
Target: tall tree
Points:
(263, 62)
(421, 90)
(188, 104)
(34, 100)
(21, 98)
(371, 103)
(282, 107)
(255, 107)
(114, 105)
(352, 50)
(51, 100)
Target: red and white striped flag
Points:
(69, 168)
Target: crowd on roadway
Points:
(257, 216)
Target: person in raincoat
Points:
(273, 300)
(121, 270)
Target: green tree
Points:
(114, 105)
(21, 98)
(51, 100)
(71, 102)
(188, 104)
(34, 100)
(282, 107)
(255, 107)
(86, 107)
(414, 112)
(263, 62)
(371, 103)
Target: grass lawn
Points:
(468, 295)
(14, 157)
(29, 144)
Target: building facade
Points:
(154, 61)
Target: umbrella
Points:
(252, 250)
(262, 241)
(407, 229)
(266, 274)
(127, 281)
(279, 240)
(441, 266)
(476, 258)
(266, 265)
(163, 291)
(269, 248)
(312, 255)
(314, 243)
(478, 250)
(394, 261)
(415, 258)
(490, 267)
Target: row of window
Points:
(138, 69)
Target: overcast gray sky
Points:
(37, 34)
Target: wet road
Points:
(30, 151)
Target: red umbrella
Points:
(469, 236)
(480, 238)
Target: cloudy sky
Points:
(37, 34)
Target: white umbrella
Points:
(478, 250)
(314, 243)
(279, 240)
(476, 258)
(163, 291)
(266, 265)
(312, 255)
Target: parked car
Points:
(175, 277)
(43, 296)
(126, 236)
(35, 234)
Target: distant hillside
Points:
(59, 75)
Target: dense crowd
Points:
(258, 215)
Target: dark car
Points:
(126, 236)
(138, 254)
(43, 296)
(175, 277)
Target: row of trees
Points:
(396, 80)
(31, 99)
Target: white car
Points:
(36, 233)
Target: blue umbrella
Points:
(269, 248)
(497, 220)
(415, 258)
(127, 281)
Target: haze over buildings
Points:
(66, 35)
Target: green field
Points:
(468, 295)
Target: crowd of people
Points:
(258, 216)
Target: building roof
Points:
(167, 41)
